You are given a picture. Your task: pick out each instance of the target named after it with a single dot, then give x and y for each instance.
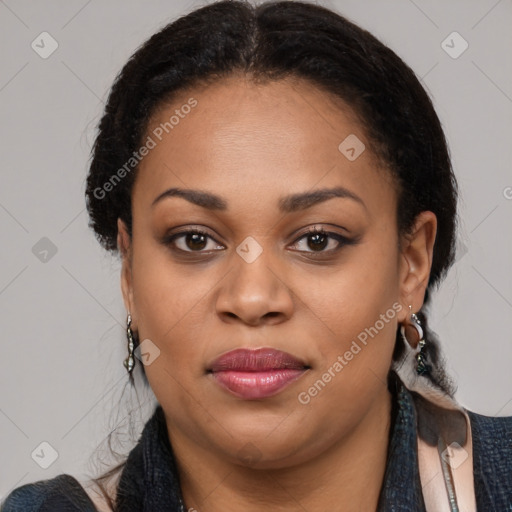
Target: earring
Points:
(129, 362)
(412, 333)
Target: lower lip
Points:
(254, 385)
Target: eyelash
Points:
(342, 240)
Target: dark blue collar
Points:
(401, 489)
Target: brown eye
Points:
(317, 240)
(193, 240)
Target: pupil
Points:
(319, 241)
(195, 239)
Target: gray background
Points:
(63, 318)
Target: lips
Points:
(257, 373)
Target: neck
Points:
(350, 472)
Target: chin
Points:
(265, 441)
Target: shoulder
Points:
(492, 453)
(492, 434)
(62, 493)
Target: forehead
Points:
(239, 139)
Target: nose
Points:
(254, 294)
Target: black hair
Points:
(272, 41)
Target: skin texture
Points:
(251, 145)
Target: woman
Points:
(279, 188)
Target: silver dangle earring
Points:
(412, 332)
(129, 362)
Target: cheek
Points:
(354, 366)
(353, 296)
(170, 307)
(355, 311)
(165, 293)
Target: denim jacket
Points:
(149, 481)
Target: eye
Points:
(193, 240)
(317, 240)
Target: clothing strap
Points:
(446, 471)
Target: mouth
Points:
(257, 373)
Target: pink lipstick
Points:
(257, 373)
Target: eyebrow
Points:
(287, 204)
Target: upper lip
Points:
(252, 360)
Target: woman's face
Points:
(258, 167)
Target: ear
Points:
(415, 262)
(124, 245)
